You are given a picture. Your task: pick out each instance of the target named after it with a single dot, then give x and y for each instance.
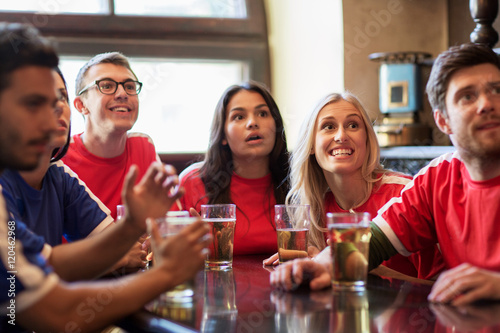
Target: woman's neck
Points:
(349, 190)
(252, 169)
(34, 178)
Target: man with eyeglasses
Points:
(34, 295)
(107, 96)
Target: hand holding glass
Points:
(169, 226)
(292, 227)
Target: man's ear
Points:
(442, 122)
(78, 103)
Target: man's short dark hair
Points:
(22, 45)
(452, 60)
(115, 58)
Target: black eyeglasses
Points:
(109, 87)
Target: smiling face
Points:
(250, 130)
(63, 113)
(340, 139)
(27, 120)
(473, 111)
(106, 114)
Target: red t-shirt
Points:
(426, 263)
(254, 199)
(105, 176)
(444, 205)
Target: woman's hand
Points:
(291, 274)
(272, 260)
(193, 212)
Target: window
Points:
(184, 8)
(57, 7)
(185, 62)
(172, 92)
(180, 8)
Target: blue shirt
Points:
(24, 275)
(63, 207)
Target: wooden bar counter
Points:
(242, 300)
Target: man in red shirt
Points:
(107, 96)
(446, 201)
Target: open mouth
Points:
(253, 138)
(341, 152)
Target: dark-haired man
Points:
(455, 200)
(32, 296)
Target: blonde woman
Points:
(336, 168)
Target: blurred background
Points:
(187, 52)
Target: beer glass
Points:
(221, 219)
(349, 242)
(169, 226)
(292, 228)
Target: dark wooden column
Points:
(484, 13)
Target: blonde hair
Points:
(308, 185)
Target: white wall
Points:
(306, 52)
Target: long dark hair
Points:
(59, 152)
(218, 167)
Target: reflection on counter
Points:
(184, 313)
(298, 313)
(350, 312)
(483, 317)
(219, 302)
(242, 301)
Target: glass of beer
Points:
(292, 227)
(169, 226)
(349, 242)
(221, 219)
